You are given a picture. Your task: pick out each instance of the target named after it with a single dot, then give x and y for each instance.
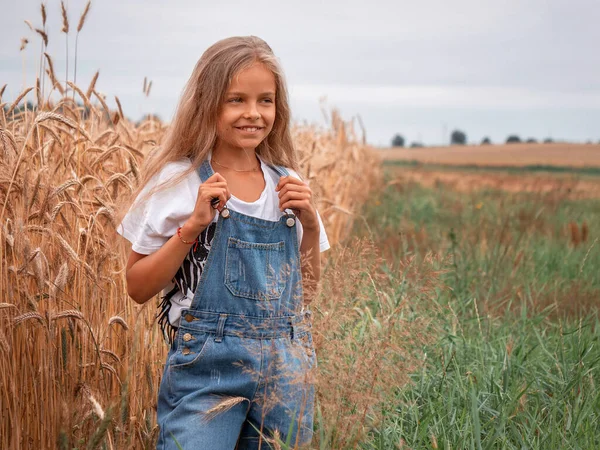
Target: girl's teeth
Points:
(249, 129)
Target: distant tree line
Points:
(459, 137)
(398, 141)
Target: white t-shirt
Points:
(149, 225)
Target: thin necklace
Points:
(255, 169)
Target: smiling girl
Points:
(225, 227)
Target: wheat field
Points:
(457, 308)
(80, 362)
(557, 154)
(561, 185)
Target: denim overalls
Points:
(242, 359)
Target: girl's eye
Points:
(268, 100)
(235, 99)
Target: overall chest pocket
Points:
(257, 271)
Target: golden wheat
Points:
(62, 177)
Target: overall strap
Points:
(290, 220)
(205, 171)
(282, 171)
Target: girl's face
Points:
(247, 114)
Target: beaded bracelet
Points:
(195, 242)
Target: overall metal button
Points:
(186, 351)
(290, 221)
(187, 337)
(225, 212)
(189, 317)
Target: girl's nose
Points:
(252, 112)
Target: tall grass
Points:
(73, 343)
(80, 362)
(517, 362)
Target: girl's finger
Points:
(294, 187)
(220, 184)
(209, 196)
(283, 181)
(215, 177)
(294, 195)
(301, 205)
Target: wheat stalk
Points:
(118, 320)
(83, 16)
(50, 70)
(86, 100)
(61, 280)
(50, 130)
(73, 313)
(17, 100)
(111, 354)
(44, 16)
(110, 369)
(8, 305)
(79, 27)
(29, 316)
(44, 36)
(122, 116)
(62, 119)
(92, 85)
(4, 342)
(102, 102)
(223, 406)
(68, 249)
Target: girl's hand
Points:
(297, 196)
(204, 212)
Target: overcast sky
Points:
(420, 68)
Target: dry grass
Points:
(559, 154)
(80, 363)
(565, 186)
(369, 326)
(79, 360)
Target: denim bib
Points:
(253, 267)
(245, 335)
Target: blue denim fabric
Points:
(244, 339)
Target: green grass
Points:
(595, 171)
(517, 361)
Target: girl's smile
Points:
(250, 130)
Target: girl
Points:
(226, 228)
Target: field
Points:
(458, 306)
(516, 360)
(559, 154)
(563, 184)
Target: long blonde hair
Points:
(193, 131)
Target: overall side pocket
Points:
(191, 345)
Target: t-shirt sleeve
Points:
(323, 240)
(151, 222)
